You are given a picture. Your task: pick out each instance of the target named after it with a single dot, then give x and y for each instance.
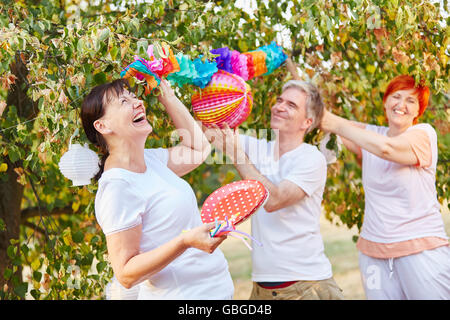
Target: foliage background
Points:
(53, 52)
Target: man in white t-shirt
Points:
(291, 263)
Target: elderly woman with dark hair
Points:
(150, 217)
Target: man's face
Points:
(289, 112)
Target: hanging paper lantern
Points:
(226, 99)
(79, 164)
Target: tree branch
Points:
(34, 227)
(36, 212)
(296, 52)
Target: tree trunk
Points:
(11, 193)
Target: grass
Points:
(339, 248)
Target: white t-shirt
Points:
(165, 205)
(292, 244)
(400, 201)
(115, 291)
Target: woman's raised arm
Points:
(396, 149)
(194, 147)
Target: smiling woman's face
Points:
(402, 107)
(125, 115)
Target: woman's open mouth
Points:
(398, 111)
(139, 118)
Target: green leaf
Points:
(21, 289)
(371, 68)
(142, 46)
(36, 264)
(113, 52)
(100, 78)
(399, 18)
(24, 248)
(14, 155)
(80, 45)
(78, 236)
(35, 294)
(11, 251)
(109, 68)
(37, 276)
(101, 266)
(177, 41)
(243, 45)
(72, 93)
(7, 274)
(104, 34)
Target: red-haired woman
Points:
(403, 248)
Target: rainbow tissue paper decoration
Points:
(141, 70)
(181, 70)
(224, 96)
(152, 70)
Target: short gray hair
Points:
(314, 104)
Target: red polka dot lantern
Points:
(232, 204)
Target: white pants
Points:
(422, 276)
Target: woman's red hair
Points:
(404, 82)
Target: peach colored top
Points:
(399, 249)
(420, 144)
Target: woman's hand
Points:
(167, 94)
(200, 238)
(292, 68)
(328, 122)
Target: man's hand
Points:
(280, 196)
(226, 140)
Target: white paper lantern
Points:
(79, 164)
